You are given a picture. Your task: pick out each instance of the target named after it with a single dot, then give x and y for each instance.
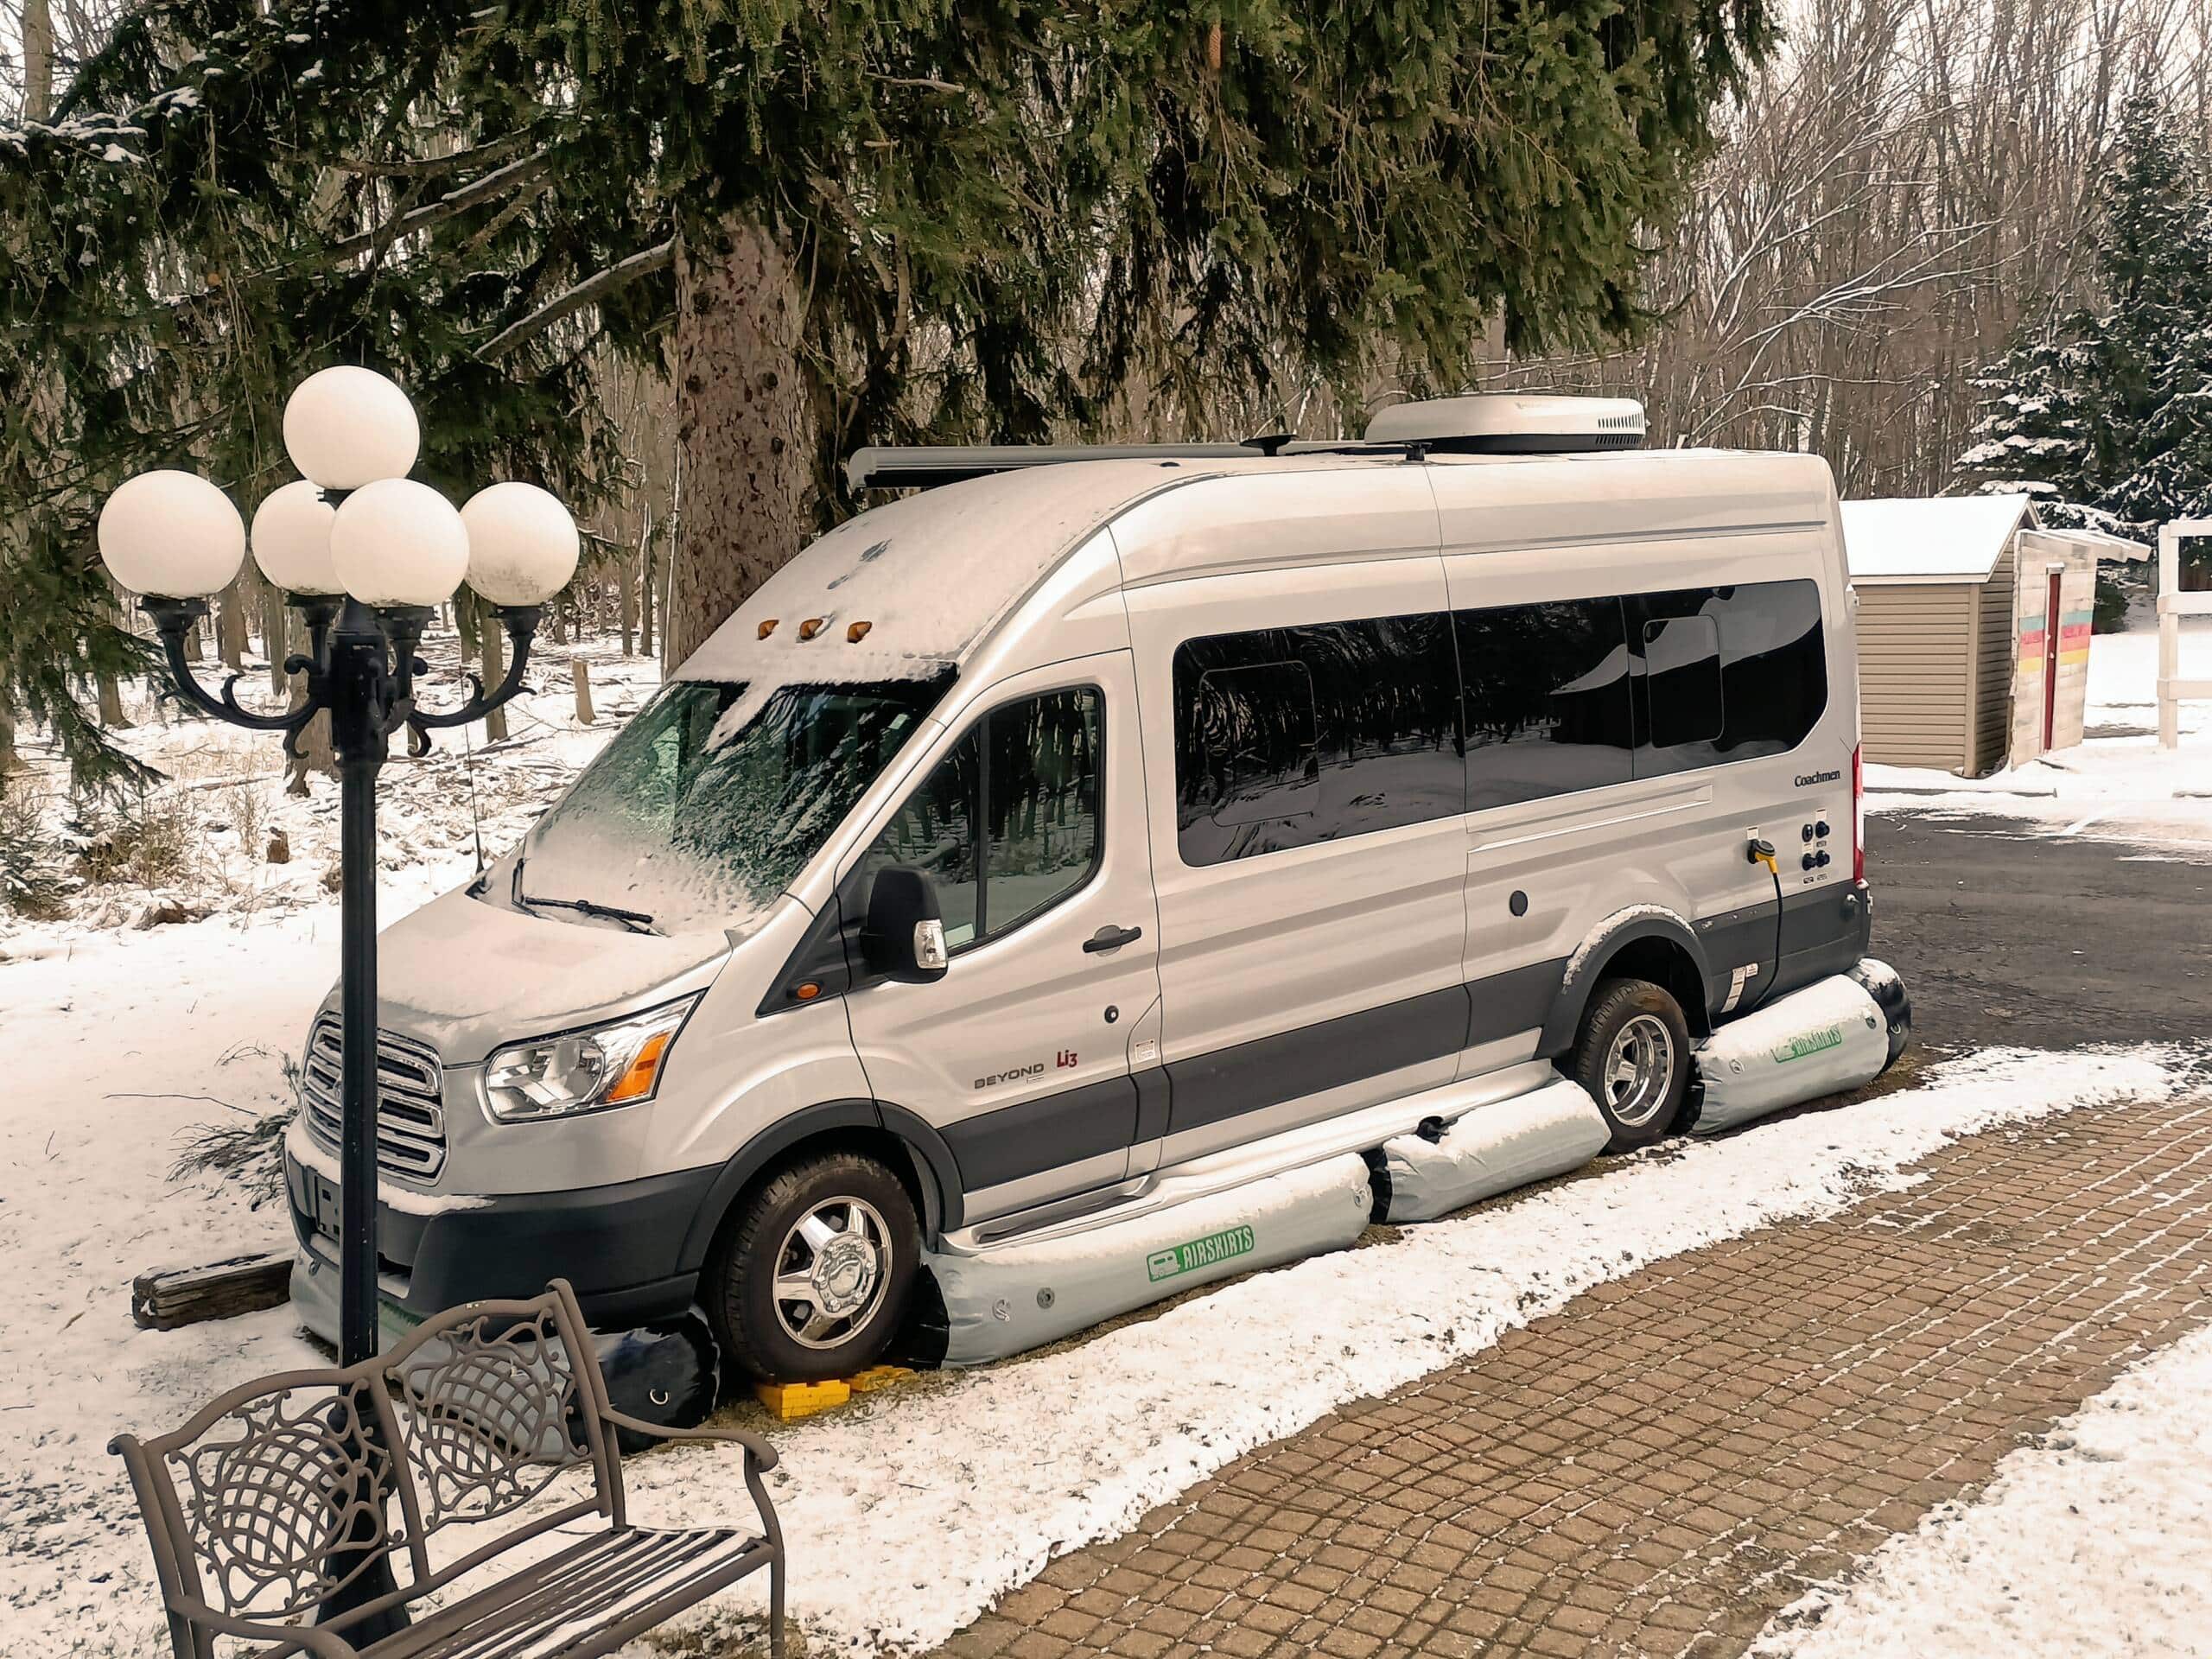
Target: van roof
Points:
(993, 539)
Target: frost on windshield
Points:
(711, 801)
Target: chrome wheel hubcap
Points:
(831, 1273)
(1639, 1066)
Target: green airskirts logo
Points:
(1811, 1042)
(1204, 1252)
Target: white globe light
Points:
(347, 427)
(291, 539)
(172, 535)
(523, 545)
(396, 542)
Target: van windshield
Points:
(707, 805)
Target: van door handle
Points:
(1112, 938)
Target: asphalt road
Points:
(2005, 936)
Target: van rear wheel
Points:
(1633, 1057)
(812, 1276)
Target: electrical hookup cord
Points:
(1762, 852)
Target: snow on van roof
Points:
(1931, 538)
(929, 572)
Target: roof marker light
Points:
(811, 627)
(858, 632)
(769, 626)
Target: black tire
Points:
(765, 1337)
(1642, 1111)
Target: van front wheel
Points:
(812, 1276)
(1633, 1057)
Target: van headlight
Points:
(618, 1063)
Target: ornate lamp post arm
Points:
(520, 622)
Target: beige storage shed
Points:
(1961, 665)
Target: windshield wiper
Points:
(637, 921)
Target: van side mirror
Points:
(903, 938)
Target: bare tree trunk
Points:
(495, 723)
(231, 625)
(742, 431)
(580, 672)
(277, 635)
(9, 760)
(38, 59)
(625, 583)
(316, 751)
(646, 599)
(468, 623)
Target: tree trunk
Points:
(626, 601)
(277, 635)
(468, 623)
(646, 598)
(38, 59)
(743, 440)
(495, 723)
(231, 625)
(316, 751)
(580, 671)
(111, 715)
(9, 760)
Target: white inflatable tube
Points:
(1002, 1300)
(1828, 1037)
(1493, 1149)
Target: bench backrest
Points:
(277, 1496)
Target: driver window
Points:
(1016, 804)
(934, 832)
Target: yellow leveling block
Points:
(791, 1401)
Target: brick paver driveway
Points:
(1660, 1467)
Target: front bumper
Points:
(622, 1246)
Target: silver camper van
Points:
(1085, 818)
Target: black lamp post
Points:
(363, 553)
(361, 666)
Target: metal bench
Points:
(270, 1509)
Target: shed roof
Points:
(1944, 538)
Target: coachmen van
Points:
(1087, 818)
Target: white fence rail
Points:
(2173, 605)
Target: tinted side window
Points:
(1285, 737)
(1002, 841)
(1774, 664)
(1728, 673)
(1547, 699)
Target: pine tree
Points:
(849, 221)
(2108, 418)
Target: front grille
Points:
(411, 1102)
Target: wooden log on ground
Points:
(169, 1296)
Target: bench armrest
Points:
(291, 1639)
(758, 1451)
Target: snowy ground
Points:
(999, 1470)
(938, 1497)
(208, 828)
(2119, 784)
(2095, 1542)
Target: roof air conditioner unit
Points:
(1511, 423)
